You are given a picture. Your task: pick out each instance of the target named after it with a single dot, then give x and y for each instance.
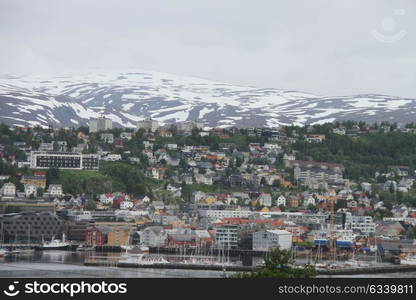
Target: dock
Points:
(113, 263)
(370, 270)
(344, 271)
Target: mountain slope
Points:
(128, 97)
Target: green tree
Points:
(277, 265)
(90, 205)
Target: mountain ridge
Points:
(127, 97)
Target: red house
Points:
(96, 236)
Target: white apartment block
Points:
(100, 124)
(220, 214)
(269, 239)
(148, 124)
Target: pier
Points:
(343, 271)
(114, 263)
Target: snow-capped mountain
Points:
(71, 100)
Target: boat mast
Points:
(332, 243)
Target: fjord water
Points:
(61, 264)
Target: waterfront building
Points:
(269, 239)
(153, 236)
(227, 236)
(30, 225)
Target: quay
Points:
(343, 271)
(20, 246)
(370, 270)
(113, 263)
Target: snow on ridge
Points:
(132, 95)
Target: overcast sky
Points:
(328, 47)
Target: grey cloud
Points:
(320, 46)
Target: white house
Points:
(281, 200)
(203, 179)
(172, 146)
(339, 130)
(146, 199)
(265, 199)
(112, 157)
(265, 240)
(55, 190)
(9, 189)
(158, 205)
(106, 198)
(153, 236)
(31, 189)
(126, 205)
(310, 200)
(271, 146)
(107, 138)
(289, 157)
(126, 135)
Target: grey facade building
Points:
(227, 236)
(30, 226)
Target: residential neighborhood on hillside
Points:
(185, 186)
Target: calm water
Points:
(44, 264)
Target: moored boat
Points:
(54, 244)
(408, 260)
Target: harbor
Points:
(58, 263)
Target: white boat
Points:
(84, 248)
(3, 252)
(55, 244)
(142, 259)
(408, 260)
(126, 247)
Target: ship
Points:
(54, 244)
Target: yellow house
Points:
(118, 236)
(265, 209)
(38, 180)
(210, 199)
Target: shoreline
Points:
(344, 271)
